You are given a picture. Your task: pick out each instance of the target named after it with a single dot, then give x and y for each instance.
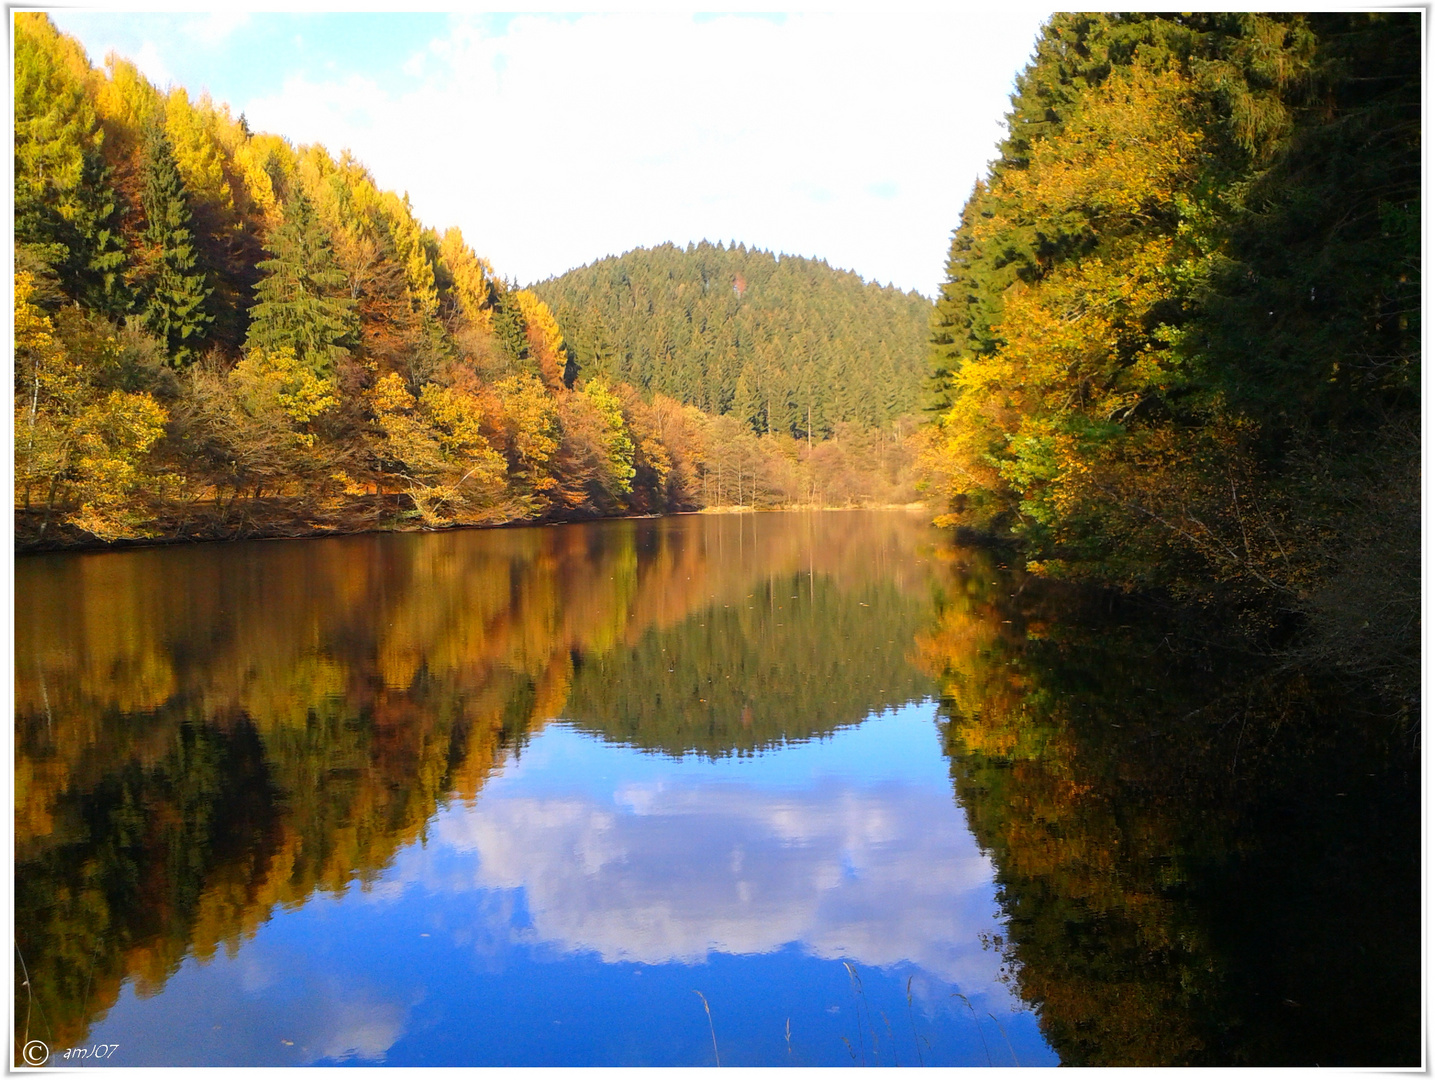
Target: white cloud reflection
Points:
(355, 1029)
(262, 1008)
(679, 867)
(848, 849)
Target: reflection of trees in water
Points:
(156, 858)
(1203, 860)
(204, 733)
(791, 660)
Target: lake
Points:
(789, 788)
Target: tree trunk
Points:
(49, 505)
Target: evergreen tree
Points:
(956, 310)
(66, 213)
(510, 328)
(747, 400)
(687, 323)
(176, 292)
(299, 303)
(1178, 346)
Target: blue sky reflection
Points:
(566, 915)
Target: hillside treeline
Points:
(784, 344)
(219, 333)
(1178, 346)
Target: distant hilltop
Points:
(782, 343)
(219, 333)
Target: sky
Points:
(555, 140)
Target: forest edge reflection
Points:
(283, 723)
(205, 733)
(1207, 857)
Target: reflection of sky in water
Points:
(567, 915)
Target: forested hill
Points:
(748, 676)
(1179, 343)
(777, 341)
(221, 333)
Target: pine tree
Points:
(176, 291)
(299, 303)
(747, 404)
(509, 327)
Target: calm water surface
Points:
(820, 789)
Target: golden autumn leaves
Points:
(74, 441)
(83, 446)
(1088, 428)
(1038, 423)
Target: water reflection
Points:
(206, 736)
(817, 847)
(510, 797)
(1205, 857)
(569, 912)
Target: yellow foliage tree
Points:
(198, 152)
(617, 443)
(262, 160)
(126, 103)
(276, 375)
(1126, 157)
(79, 447)
(531, 430)
(472, 279)
(1049, 424)
(545, 339)
(435, 446)
(255, 425)
(413, 253)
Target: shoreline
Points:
(63, 540)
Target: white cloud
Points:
(850, 137)
(259, 1010)
(339, 108)
(348, 1029)
(151, 64)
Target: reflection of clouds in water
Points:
(268, 1007)
(882, 874)
(492, 925)
(354, 1029)
(255, 976)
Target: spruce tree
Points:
(176, 291)
(509, 327)
(299, 302)
(66, 213)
